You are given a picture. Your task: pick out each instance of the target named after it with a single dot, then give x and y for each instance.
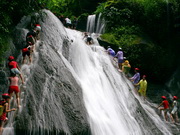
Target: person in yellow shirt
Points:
(126, 67)
(143, 86)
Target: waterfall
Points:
(111, 106)
(71, 86)
(91, 23)
(100, 25)
(95, 24)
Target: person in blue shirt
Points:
(135, 79)
(120, 57)
(111, 51)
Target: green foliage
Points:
(134, 24)
(4, 40)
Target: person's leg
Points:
(176, 115)
(30, 59)
(120, 66)
(1, 126)
(17, 99)
(165, 115)
(21, 78)
(24, 57)
(171, 116)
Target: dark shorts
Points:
(89, 39)
(120, 61)
(26, 53)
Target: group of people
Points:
(124, 66)
(68, 22)
(164, 106)
(31, 38)
(141, 85)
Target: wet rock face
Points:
(52, 101)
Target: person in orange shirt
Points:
(165, 107)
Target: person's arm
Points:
(133, 78)
(160, 104)
(7, 109)
(138, 83)
(18, 67)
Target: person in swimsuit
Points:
(14, 88)
(165, 107)
(5, 105)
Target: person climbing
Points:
(120, 57)
(14, 88)
(31, 39)
(135, 79)
(26, 51)
(165, 107)
(5, 110)
(126, 67)
(89, 39)
(31, 36)
(143, 87)
(110, 51)
(174, 113)
(37, 30)
(14, 68)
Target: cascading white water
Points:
(100, 25)
(91, 23)
(94, 26)
(110, 104)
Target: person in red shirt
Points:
(165, 107)
(14, 68)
